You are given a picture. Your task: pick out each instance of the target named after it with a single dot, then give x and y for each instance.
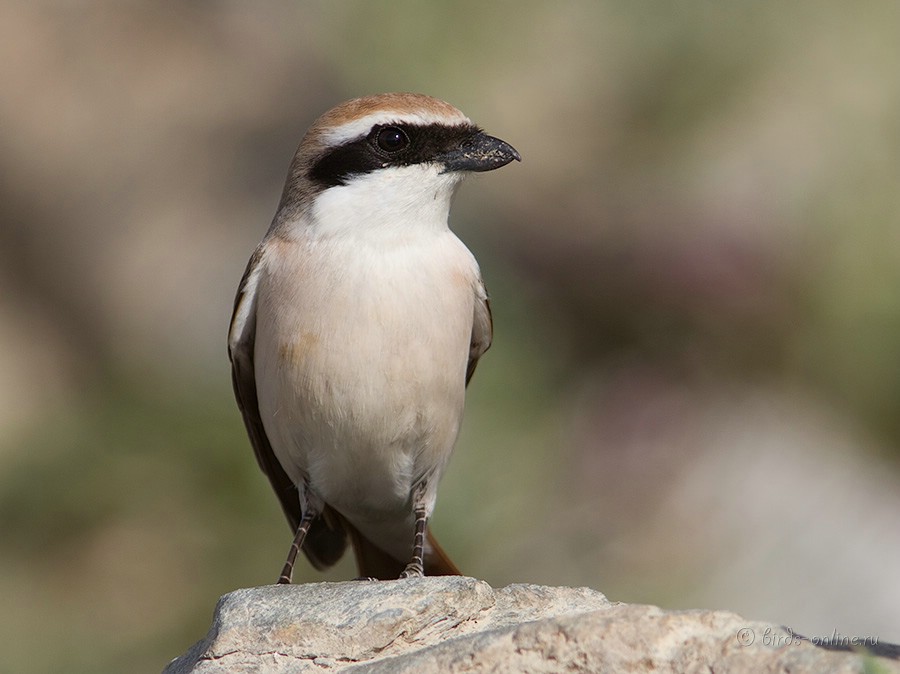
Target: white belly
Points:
(361, 374)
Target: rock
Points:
(457, 624)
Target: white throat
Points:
(398, 200)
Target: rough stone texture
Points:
(457, 624)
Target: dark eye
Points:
(392, 139)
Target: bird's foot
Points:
(413, 570)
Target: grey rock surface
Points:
(458, 624)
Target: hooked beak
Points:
(479, 152)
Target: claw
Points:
(413, 570)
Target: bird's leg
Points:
(288, 571)
(416, 566)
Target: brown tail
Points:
(373, 562)
(437, 563)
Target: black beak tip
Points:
(480, 153)
(500, 155)
(496, 154)
(503, 151)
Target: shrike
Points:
(357, 326)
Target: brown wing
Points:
(482, 331)
(326, 540)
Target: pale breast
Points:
(361, 354)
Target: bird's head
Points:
(389, 156)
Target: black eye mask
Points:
(389, 145)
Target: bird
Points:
(357, 325)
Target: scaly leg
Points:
(288, 571)
(416, 566)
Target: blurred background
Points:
(692, 398)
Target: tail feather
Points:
(437, 563)
(326, 541)
(373, 562)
